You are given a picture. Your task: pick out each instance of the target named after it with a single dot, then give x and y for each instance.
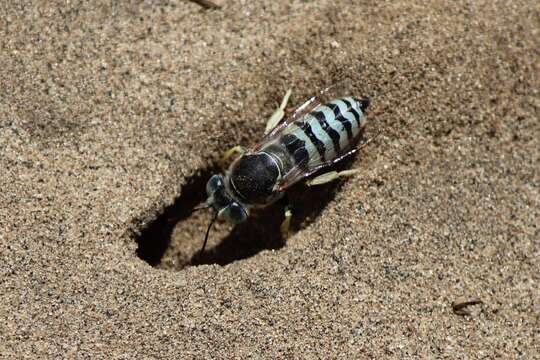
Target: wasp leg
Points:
(286, 224)
(233, 152)
(331, 176)
(334, 175)
(278, 114)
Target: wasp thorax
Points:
(253, 178)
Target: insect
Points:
(313, 137)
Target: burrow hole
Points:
(172, 241)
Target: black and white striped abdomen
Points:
(325, 133)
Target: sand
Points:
(114, 114)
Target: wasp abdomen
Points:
(325, 133)
(253, 177)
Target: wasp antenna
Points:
(207, 233)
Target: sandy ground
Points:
(113, 115)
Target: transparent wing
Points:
(343, 87)
(316, 100)
(316, 162)
(298, 174)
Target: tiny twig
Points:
(207, 4)
(459, 308)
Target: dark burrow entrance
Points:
(172, 241)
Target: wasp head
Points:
(225, 206)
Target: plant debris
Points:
(208, 4)
(460, 308)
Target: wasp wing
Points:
(315, 162)
(288, 119)
(297, 174)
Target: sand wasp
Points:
(295, 146)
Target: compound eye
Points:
(235, 213)
(215, 182)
